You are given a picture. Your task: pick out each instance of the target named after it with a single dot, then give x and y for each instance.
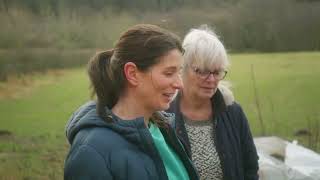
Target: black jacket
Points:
(233, 139)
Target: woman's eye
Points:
(168, 73)
(204, 72)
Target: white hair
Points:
(204, 49)
(225, 89)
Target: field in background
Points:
(32, 140)
(286, 89)
(33, 144)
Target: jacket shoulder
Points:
(236, 114)
(85, 162)
(235, 108)
(102, 139)
(91, 153)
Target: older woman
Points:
(212, 126)
(122, 135)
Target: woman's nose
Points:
(178, 84)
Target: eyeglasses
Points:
(204, 74)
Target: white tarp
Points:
(303, 160)
(293, 162)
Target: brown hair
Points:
(143, 45)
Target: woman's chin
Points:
(164, 106)
(205, 95)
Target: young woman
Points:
(123, 134)
(213, 127)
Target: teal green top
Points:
(174, 166)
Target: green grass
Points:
(37, 147)
(287, 85)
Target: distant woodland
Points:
(243, 25)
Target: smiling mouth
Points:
(169, 95)
(207, 88)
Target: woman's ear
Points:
(131, 73)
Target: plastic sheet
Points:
(282, 160)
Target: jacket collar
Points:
(86, 117)
(217, 100)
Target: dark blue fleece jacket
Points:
(117, 150)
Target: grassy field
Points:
(287, 86)
(34, 110)
(36, 117)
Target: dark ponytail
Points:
(102, 82)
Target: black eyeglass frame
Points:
(204, 74)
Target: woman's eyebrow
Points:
(171, 68)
